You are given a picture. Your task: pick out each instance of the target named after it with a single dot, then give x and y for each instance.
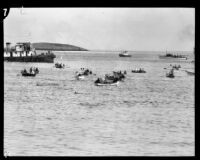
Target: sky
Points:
(139, 29)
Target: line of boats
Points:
(111, 79)
(166, 56)
(24, 52)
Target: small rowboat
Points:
(138, 71)
(57, 65)
(107, 84)
(170, 75)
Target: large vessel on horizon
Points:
(171, 55)
(24, 52)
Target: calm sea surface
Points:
(53, 114)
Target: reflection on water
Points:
(54, 114)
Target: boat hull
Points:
(121, 55)
(28, 75)
(170, 75)
(138, 71)
(107, 84)
(46, 59)
(179, 58)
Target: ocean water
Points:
(53, 114)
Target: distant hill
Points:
(56, 47)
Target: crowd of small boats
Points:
(109, 79)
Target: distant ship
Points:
(124, 54)
(170, 55)
(23, 52)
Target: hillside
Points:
(56, 47)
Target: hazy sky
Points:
(104, 28)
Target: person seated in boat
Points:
(171, 72)
(32, 72)
(30, 69)
(24, 71)
(99, 80)
(36, 70)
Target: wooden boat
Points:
(57, 65)
(170, 75)
(138, 71)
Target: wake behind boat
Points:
(189, 72)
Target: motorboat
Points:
(124, 54)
